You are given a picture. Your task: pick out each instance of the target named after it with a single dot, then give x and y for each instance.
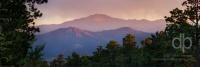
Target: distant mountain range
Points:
(66, 40)
(100, 22)
(85, 34)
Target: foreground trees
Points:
(17, 31)
(155, 51)
(187, 21)
(113, 55)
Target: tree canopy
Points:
(17, 29)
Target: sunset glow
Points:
(59, 11)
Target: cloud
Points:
(58, 11)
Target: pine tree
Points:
(58, 62)
(130, 50)
(186, 21)
(74, 61)
(17, 22)
(114, 50)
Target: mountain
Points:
(118, 34)
(100, 22)
(66, 40)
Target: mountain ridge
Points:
(61, 42)
(105, 22)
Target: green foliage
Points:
(113, 55)
(3, 43)
(158, 46)
(17, 30)
(58, 62)
(34, 58)
(107, 57)
(75, 60)
(36, 53)
(130, 51)
(186, 21)
(129, 42)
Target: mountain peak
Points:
(72, 31)
(73, 28)
(99, 17)
(125, 28)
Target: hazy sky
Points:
(59, 11)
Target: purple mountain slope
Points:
(66, 40)
(100, 22)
